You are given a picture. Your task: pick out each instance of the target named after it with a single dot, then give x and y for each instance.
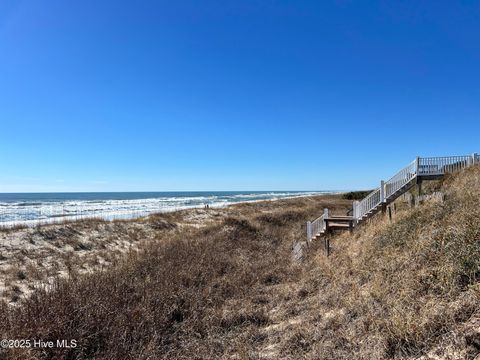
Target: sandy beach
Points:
(222, 283)
(241, 180)
(34, 257)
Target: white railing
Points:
(400, 179)
(371, 201)
(429, 166)
(315, 227)
(442, 165)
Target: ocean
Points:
(35, 208)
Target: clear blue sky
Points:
(232, 95)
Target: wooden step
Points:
(340, 219)
(339, 226)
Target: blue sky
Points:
(232, 95)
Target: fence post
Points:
(355, 209)
(382, 191)
(309, 231)
(474, 158)
(325, 216)
(417, 164)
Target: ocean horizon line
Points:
(168, 191)
(32, 208)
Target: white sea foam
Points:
(30, 212)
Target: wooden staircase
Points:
(420, 169)
(388, 200)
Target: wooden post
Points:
(382, 191)
(309, 231)
(350, 226)
(327, 245)
(417, 164)
(382, 196)
(390, 213)
(419, 187)
(327, 234)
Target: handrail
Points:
(369, 202)
(400, 179)
(442, 165)
(390, 189)
(427, 166)
(315, 227)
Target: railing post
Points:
(309, 231)
(382, 191)
(474, 157)
(325, 216)
(355, 209)
(417, 164)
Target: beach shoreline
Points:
(34, 257)
(19, 214)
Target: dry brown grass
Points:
(404, 289)
(200, 292)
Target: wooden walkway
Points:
(427, 168)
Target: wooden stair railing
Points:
(426, 168)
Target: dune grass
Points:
(402, 289)
(197, 294)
